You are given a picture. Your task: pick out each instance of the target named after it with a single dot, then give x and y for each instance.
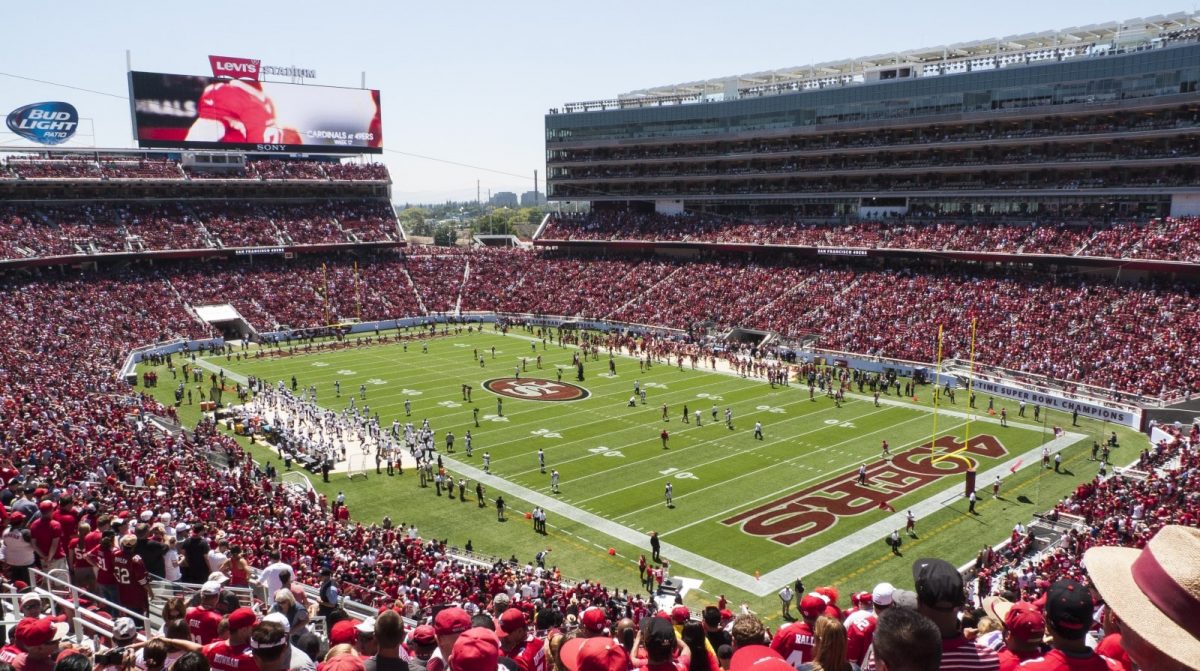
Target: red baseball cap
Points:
(451, 621)
(598, 653)
(46, 505)
(512, 620)
(424, 635)
(344, 632)
(812, 606)
(758, 658)
(1026, 622)
(30, 632)
(594, 619)
(680, 614)
(241, 618)
(476, 649)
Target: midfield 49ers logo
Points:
(815, 509)
(533, 389)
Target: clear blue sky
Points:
(470, 81)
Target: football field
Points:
(750, 512)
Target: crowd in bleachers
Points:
(102, 166)
(72, 427)
(286, 169)
(1170, 239)
(65, 228)
(79, 450)
(1127, 509)
(1126, 338)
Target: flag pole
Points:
(970, 385)
(325, 281)
(936, 380)
(357, 300)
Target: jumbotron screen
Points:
(219, 113)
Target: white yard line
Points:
(805, 565)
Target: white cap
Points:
(882, 594)
(280, 618)
(124, 627)
(218, 577)
(367, 626)
(30, 597)
(210, 588)
(182, 528)
(146, 515)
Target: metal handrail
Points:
(54, 588)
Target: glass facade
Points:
(1103, 79)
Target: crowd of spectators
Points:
(1168, 239)
(286, 169)
(92, 227)
(79, 450)
(357, 171)
(1117, 509)
(1132, 338)
(100, 166)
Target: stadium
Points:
(778, 336)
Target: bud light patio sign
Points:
(45, 123)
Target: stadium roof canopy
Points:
(1014, 50)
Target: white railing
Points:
(65, 598)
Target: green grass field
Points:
(747, 513)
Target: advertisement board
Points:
(45, 123)
(186, 111)
(1124, 415)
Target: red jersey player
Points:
(237, 111)
(795, 641)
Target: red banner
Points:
(237, 68)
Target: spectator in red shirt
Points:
(101, 559)
(518, 644)
(82, 573)
(448, 625)
(232, 654)
(1024, 629)
(129, 572)
(204, 619)
(1069, 609)
(48, 538)
(795, 641)
(39, 640)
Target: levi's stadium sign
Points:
(253, 69)
(45, 123)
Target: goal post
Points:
(357, 465)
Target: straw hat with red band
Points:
(1155, 591)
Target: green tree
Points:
(445, 236)
(416, 221)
